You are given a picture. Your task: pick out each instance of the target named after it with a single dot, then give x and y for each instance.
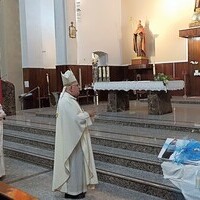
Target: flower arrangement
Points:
(162, 77)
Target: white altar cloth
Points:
(139, 85)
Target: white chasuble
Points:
(72, 147)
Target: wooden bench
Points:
(8, 192)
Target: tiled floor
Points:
(37, 180)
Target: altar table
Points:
(118, 98)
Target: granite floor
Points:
(37, 180)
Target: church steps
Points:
(139, 180)
(123, 144)
(16, 140)
(40, 136)
(29, 139)
(157, 135)
(132, 159)
(124, 155)
(134, 179)
(40, 130)
(137, 121)
(29, 154)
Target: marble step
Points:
(125, 157)
(35, 155)
(149, 121)
(32, 139)
(151, 136)
(130, 178)
(99, 135)
(30, 128)
(139, 180)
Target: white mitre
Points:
(68, 78)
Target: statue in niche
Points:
(139, 40)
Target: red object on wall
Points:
(1, 95)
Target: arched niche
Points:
(100, 58)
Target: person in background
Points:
(74, 168)
(139, 40)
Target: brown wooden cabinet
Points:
(193, 82)
(194, 64)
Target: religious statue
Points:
(72, 31)
(197, 5)
(196, 15)
(139, 40)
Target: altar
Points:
(158, 99)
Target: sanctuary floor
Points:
(37, 180)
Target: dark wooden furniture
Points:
(193, 59)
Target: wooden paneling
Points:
(177, 71)
(86, 74)
(37, 77)
(146, 73)
(194, 64)
(118, 73)
(166, 68)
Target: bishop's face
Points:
(75, 89)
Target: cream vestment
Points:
(74, 167)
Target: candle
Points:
(80, 78)
(100, 72)
(108, 72)
(154, 69)
(104, 72)
(47, 78)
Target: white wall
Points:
(48, 34)
(104, 26)
(99, 29)
(70, 16)
(38, 33)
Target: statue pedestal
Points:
(118, 101)
(140, 61)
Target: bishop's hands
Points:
(91, 113)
